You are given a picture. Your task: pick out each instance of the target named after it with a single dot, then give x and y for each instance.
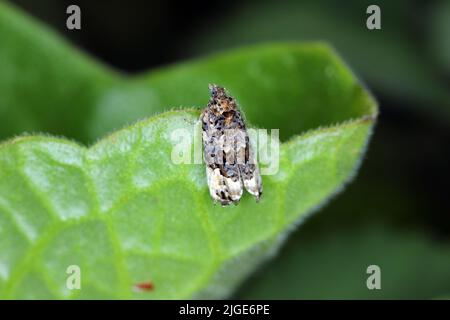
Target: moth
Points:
(229, 157)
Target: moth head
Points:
(221, 102)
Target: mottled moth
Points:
(228, 154)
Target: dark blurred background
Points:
(396, 214)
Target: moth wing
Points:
(249, 170)
(224, 181)
(223, 189)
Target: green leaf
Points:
(121, 209)
(126, 214)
